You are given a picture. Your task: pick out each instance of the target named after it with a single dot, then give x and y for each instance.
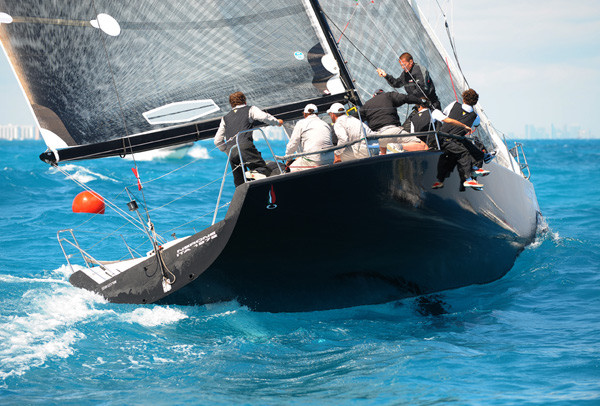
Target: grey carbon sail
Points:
(382, 30)
(100, 70)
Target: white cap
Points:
(311, 107)
(337, 108)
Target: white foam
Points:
(150, 155)
(544, 233)
(198, 152)
(82, 174)
(155, 316)
(65, 271)
(17, 279)
(46, 330)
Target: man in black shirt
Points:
(381, 115)
(461, 152)
(415, 79)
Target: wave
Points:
(199, 152)
(543, 233)
(82, 174)
(47, 330)
(156, 316)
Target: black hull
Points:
(363, 232)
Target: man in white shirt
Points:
(310, 134)
(348, 129)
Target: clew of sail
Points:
(94, 71)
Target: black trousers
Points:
(460, 153)
(253, 161)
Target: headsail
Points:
(383, 30)
(94, 70)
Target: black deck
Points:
(363, 232)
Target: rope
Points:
(348, 23)
(451, 80)
(382, 36)
(452, 44)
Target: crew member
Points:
(240, 118)
(414, 78)
(460, 152)
(429, 120)
(348, 129)
(310, 134)
(382, 117)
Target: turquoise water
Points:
(532, 337)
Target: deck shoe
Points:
(394, 148)
(437, 185)
(473, 184)
(479, 172)
(254, 175)
(487, 157)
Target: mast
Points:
(344, 73)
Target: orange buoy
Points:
(88, 202)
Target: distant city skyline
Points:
(12, 132)
(533, 64)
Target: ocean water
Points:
(532, 337)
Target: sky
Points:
(532, 62)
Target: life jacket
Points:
(421, 121)
(235, 121)
(459, 114)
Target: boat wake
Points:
(45, 329)
(156, 316)
(46, 324)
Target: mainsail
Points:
(136, 75)
(107, 77)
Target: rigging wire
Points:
(119, 211)
(188, 193)
(125, 215)
(368, 60)
(198, 218)
(349, 40)
(452, 43)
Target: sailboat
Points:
(109, 78)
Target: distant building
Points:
(554, 132)
(12, 132)
(532, 132)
